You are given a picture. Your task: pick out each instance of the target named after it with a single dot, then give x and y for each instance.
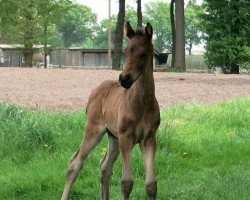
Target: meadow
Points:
(203, 153)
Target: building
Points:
(12, 55)
(92, 58)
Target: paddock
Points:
(69, 89)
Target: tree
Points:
(172, 19)
(180, 34)
(100, 38)
(226, 24)
(18, 25)
(193, 32)
(27, 22)
(155, 12)
(49, 16)
(139, 14)
(119, 36)
(78, 24)
(131, 16)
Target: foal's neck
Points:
(144, 87)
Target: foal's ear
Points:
(149, 31)
(128, 31)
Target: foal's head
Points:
(138, 54)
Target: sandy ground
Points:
(68, 89)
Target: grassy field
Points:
(203, 153)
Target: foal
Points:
(128, 111)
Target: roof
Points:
(18, 46)
(84, 50)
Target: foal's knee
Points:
(151, 190)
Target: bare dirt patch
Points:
(68, 89)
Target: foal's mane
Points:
(139, 32)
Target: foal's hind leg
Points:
(93, 135)
(106, 165)
(148, 148)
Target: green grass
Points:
(176, 69)
(203, 153)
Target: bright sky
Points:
(100, 7)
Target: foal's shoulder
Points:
(104, 87)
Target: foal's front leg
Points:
(126, 145)
(148, 148)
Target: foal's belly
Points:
(139, 130)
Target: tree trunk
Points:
(190, 48)
(28, 48)
(119, 36)
(173, 32)
(45, 57)
(28, 55)
(139, 14)
(180, 34)
(45, 46)
(235, 30)
(29, 36)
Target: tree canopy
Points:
(227, 27)
(63, 23)
(78, 24)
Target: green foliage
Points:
(78, 24)
(193, 32)
(131, 16)
(227, 26)
(59, 23)
(101, 37)
(50, 14)
(203, 153)
(48, 22)
(15, 16)
(157, 13)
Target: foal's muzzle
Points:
(126, 80)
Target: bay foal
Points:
(128, 111)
